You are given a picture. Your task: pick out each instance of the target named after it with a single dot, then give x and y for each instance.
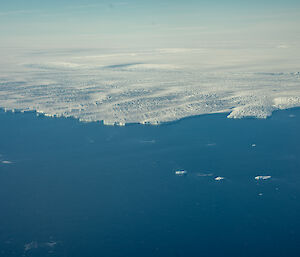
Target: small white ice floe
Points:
(253, 145)
(211, 144)
(51, 244)
(6, 162)
(180, 172)
(31, 245)
(262, 177)
(219, 178)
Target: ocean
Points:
(69, 188)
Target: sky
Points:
(132, 23)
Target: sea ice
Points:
(6, 162)
(31, 245)
(219, 178)
(180, 172)
(262, 177)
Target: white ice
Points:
(6, 162)
(180, 172)
(151, 86)
(262, 177)
(219, 178)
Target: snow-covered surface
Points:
(120, 86)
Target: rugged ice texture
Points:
(150, 86)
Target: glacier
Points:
(150, 86)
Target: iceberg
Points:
(262, 177)
(219, 178)
(180, 172)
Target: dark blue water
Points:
(75, 189)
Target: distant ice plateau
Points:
(150, 86)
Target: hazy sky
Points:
(133, 23)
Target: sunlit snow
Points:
(150, 86)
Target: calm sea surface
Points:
(85, 190)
